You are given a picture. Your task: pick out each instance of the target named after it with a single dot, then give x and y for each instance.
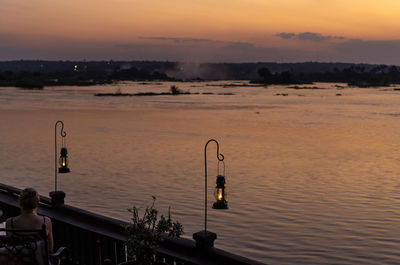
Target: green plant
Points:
(146, 233)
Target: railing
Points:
(91, 238)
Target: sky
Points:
(360, 31)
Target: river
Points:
(313, 175)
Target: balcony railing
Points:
(92, 239)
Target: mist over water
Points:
(312, 177)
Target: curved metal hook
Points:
(62, 132)
(220, 158)
(218, 153)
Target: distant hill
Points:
(37, 74)
(177, 70)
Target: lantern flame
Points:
(219, 194)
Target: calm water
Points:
(313, 178)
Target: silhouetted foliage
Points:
(175, 90)
(77, 74)
(82, 73)
(265, 74)
(145, 234)
(29, 83)
(283, 78)
(355, 75)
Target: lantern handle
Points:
(223, 163)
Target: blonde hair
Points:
(29, 199)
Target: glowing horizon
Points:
(237, 30)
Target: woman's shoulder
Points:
(8, 221)
(46, 219)
(11, 220)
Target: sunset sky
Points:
(202, 31)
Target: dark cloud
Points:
(212, 52)
(373, 51)
(307, 36)
(198, 50)
(347, 50)
(177, 40)
(285, 35)
(312, 36)
(238, 46)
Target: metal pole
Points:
(63, 134)
(205, 177)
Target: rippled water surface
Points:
(313, 176)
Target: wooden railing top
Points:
(68, 214)
(182, 248)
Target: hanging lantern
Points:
(63, 161)
(220, 194)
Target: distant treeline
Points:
(381, 75)
(206, 71)
(36, 74)
(77, 75)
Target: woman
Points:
(28, 218)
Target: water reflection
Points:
(313, 178)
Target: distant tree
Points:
(286, 78)
(265, 74)
(175, 90)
